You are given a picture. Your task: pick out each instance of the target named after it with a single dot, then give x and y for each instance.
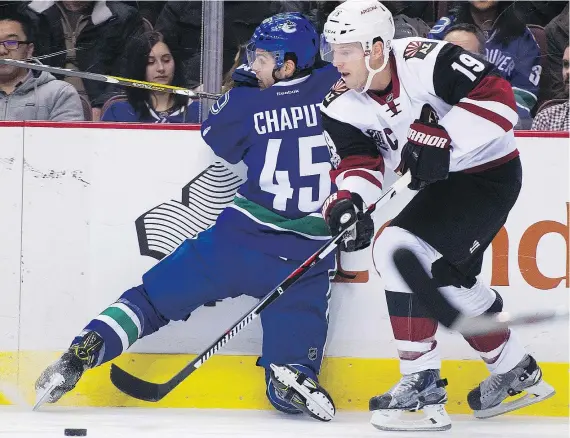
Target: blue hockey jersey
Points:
(518, 62)
(277, 132)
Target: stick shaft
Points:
(148, 391)
(151, 86)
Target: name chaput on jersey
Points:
(294, 117)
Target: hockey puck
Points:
(75, 432)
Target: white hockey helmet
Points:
(359, 21)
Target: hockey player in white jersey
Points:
(432, 109)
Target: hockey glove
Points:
(339, 211)
(426, 154)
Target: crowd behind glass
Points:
(161, 42)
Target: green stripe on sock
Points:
(124, 321)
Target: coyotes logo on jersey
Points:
(337, 89)
(418, 49)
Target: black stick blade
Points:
(136, 387)
(421, 284)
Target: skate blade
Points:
(534, 394)
(315, 402)
(398, 420)
(43, 393)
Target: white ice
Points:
(51, 421)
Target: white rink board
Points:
(11, 163)
(83, 188)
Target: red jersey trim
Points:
(494, 89)
(364, 175)
(497, 119)
(493, 163)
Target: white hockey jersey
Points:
(365, 131)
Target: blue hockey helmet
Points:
(288, 32)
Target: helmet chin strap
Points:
(371, 71)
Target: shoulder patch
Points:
(418, 49)
(336, 90)
(220, 103)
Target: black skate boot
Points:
(62, 376)
(422, 391)
(487, 399)
(298, 389)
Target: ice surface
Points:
(51, 421)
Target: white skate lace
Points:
(407, 382)
(493, 383)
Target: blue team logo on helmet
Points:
(285, 33)
(289, 27)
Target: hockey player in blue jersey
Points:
(255, 243)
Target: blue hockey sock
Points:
(131, 317)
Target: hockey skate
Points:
(422, 391)
(487, 399)
(62, 376)
(302, 392)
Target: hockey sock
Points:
(414, 331)
(500, 351)
(129, 318)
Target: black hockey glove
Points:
(426, 154)
(342, 209)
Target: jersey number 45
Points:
(277, 181)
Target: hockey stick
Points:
(148, 391)
(444, 312)
(50, 55)
(152, 86)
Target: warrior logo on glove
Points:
(427, 153)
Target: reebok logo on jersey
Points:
(428, 139)
(418, 49)
(282, 93)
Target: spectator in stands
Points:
(406, 27)
(149, 10)
(509, 45)
(467, 36)
(423, 10)
(98, 29)
(25, 94)
(539, 12)
(151, 57)
(556, 41)
(555, 117)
